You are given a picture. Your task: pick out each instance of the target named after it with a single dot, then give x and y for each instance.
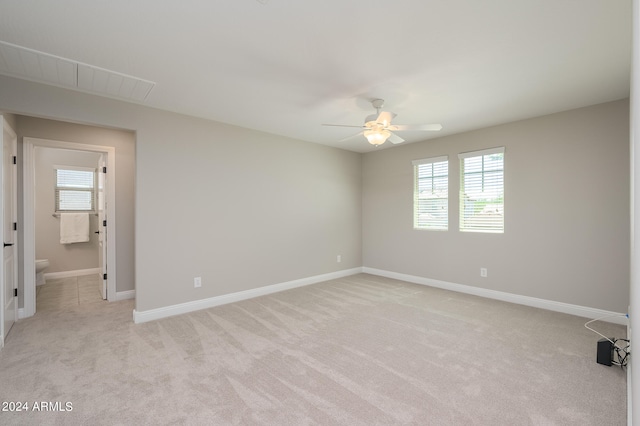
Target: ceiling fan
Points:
(377, 127)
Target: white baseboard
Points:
(21, 313)
(67, 274)
(196, 305)
(124, 295)
(567, 308)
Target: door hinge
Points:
(15, 226)
(15, 292)
(15, 160)
(104, 170)
(104, 276)
(104, 222)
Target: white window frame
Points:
(435, 224)
(492, 222)
(57, 188)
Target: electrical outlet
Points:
(339, 258)
(483, 272)
(197, 282)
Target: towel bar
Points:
(58, 214)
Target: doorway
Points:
(106, 218)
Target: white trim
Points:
(634, 150)
(125, 295)
(75, 168)
(4, 126)
(21, 313)
(67, 274)
(629, 387)
(550, 305)
(497, 150)
(196, 305)
(29, 249)
(440, 159)
(29, 257)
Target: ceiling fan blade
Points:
(342, 125)
(394, 139)
(385, 118)
(429, 127)
(351, 137)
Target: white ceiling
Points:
(286, 67)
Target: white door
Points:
(9, 273)
(102, 228)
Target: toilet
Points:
(41, 265)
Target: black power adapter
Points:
(605, 352)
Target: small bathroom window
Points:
(75, 189)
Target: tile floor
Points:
(62, 293)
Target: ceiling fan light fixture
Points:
(377, 127)
(376, 136)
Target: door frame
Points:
(101, 203)
(4, 125)
(28, 186)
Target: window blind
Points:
(75, 189)
(482, 190)
(431, 193)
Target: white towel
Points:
(74, 228)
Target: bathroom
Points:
(34, 134)
(67, 251)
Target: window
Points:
(482, 190)
(75, 189)
(431, 193)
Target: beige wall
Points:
(567, 230)
(240, 208)
(62, 257)
(11, 119)
(124, 144)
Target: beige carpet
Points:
(362, 350)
